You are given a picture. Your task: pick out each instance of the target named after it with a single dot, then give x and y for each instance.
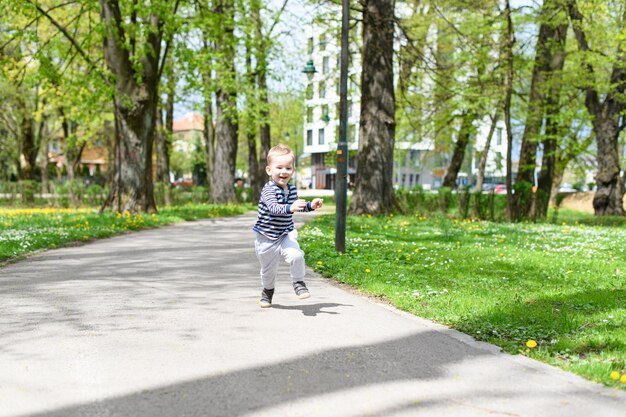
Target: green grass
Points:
(563, 286)
(23, 231)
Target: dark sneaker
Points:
(266, 298)
(301, 290)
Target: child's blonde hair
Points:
(278, 150)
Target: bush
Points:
(62, 194)
(76, 190)
(444, 199)
(28, 189)
(95, 195)
(416, 200)
(463, 200)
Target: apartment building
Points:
(416, 160)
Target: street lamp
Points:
(341, 186)
(341, 178)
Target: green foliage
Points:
(444, 198)
(28, 188)
(561, 285)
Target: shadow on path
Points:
(416, 357)
(312, 309)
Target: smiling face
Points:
(280, 169)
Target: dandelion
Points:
(368, 270)
(320, 262)
(531, 344)
(623, 379)
(614, 375)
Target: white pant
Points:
(269, 253)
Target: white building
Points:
(416, 162)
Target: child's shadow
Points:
(312, 309)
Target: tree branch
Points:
(592, 99)
(69, 37)
(168, 43)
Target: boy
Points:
(276, 236)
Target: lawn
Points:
(30, 229)
(561, 286)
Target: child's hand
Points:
(298, 205)
(317, 203)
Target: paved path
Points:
(165, 323)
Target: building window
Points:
(499, 137)
(325, 65)
(322, 42)
(54, 146)
(309, 91)
(322, 89)
(325, 115)
(309, 114)
(310, 46)
(349, 109)
(321, 136)
(309, 137)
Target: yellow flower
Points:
(355, 250)
(368, 270)
(614, 375)
(319, 262)
(531, 343)
(623, 379)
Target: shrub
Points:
(445, 198)
(94, 195)
(28, 189)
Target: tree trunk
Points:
(27, 145)
(264, 126)
(209, 142)
(373, 193)
(559, 170)
(550, 33)
(164, 132)
(458, 153)
(135, 108)
(541, 196)
(226, 132)
(609, 196)
(482, 163)
(508, 57)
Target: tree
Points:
(544, 88)
(604, 100)
(373, 193)
(135, 40)
(226, 132)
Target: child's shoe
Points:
(266, 298)
(301, 290)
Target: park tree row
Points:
(431, 70)
(555, 72)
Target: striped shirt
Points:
(275, 217)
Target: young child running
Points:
(276, 236)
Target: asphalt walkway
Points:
(165, 322)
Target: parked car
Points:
(500, 189)
(182, 183)
(489, 186)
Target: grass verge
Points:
(561, 286)
(23, 231)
